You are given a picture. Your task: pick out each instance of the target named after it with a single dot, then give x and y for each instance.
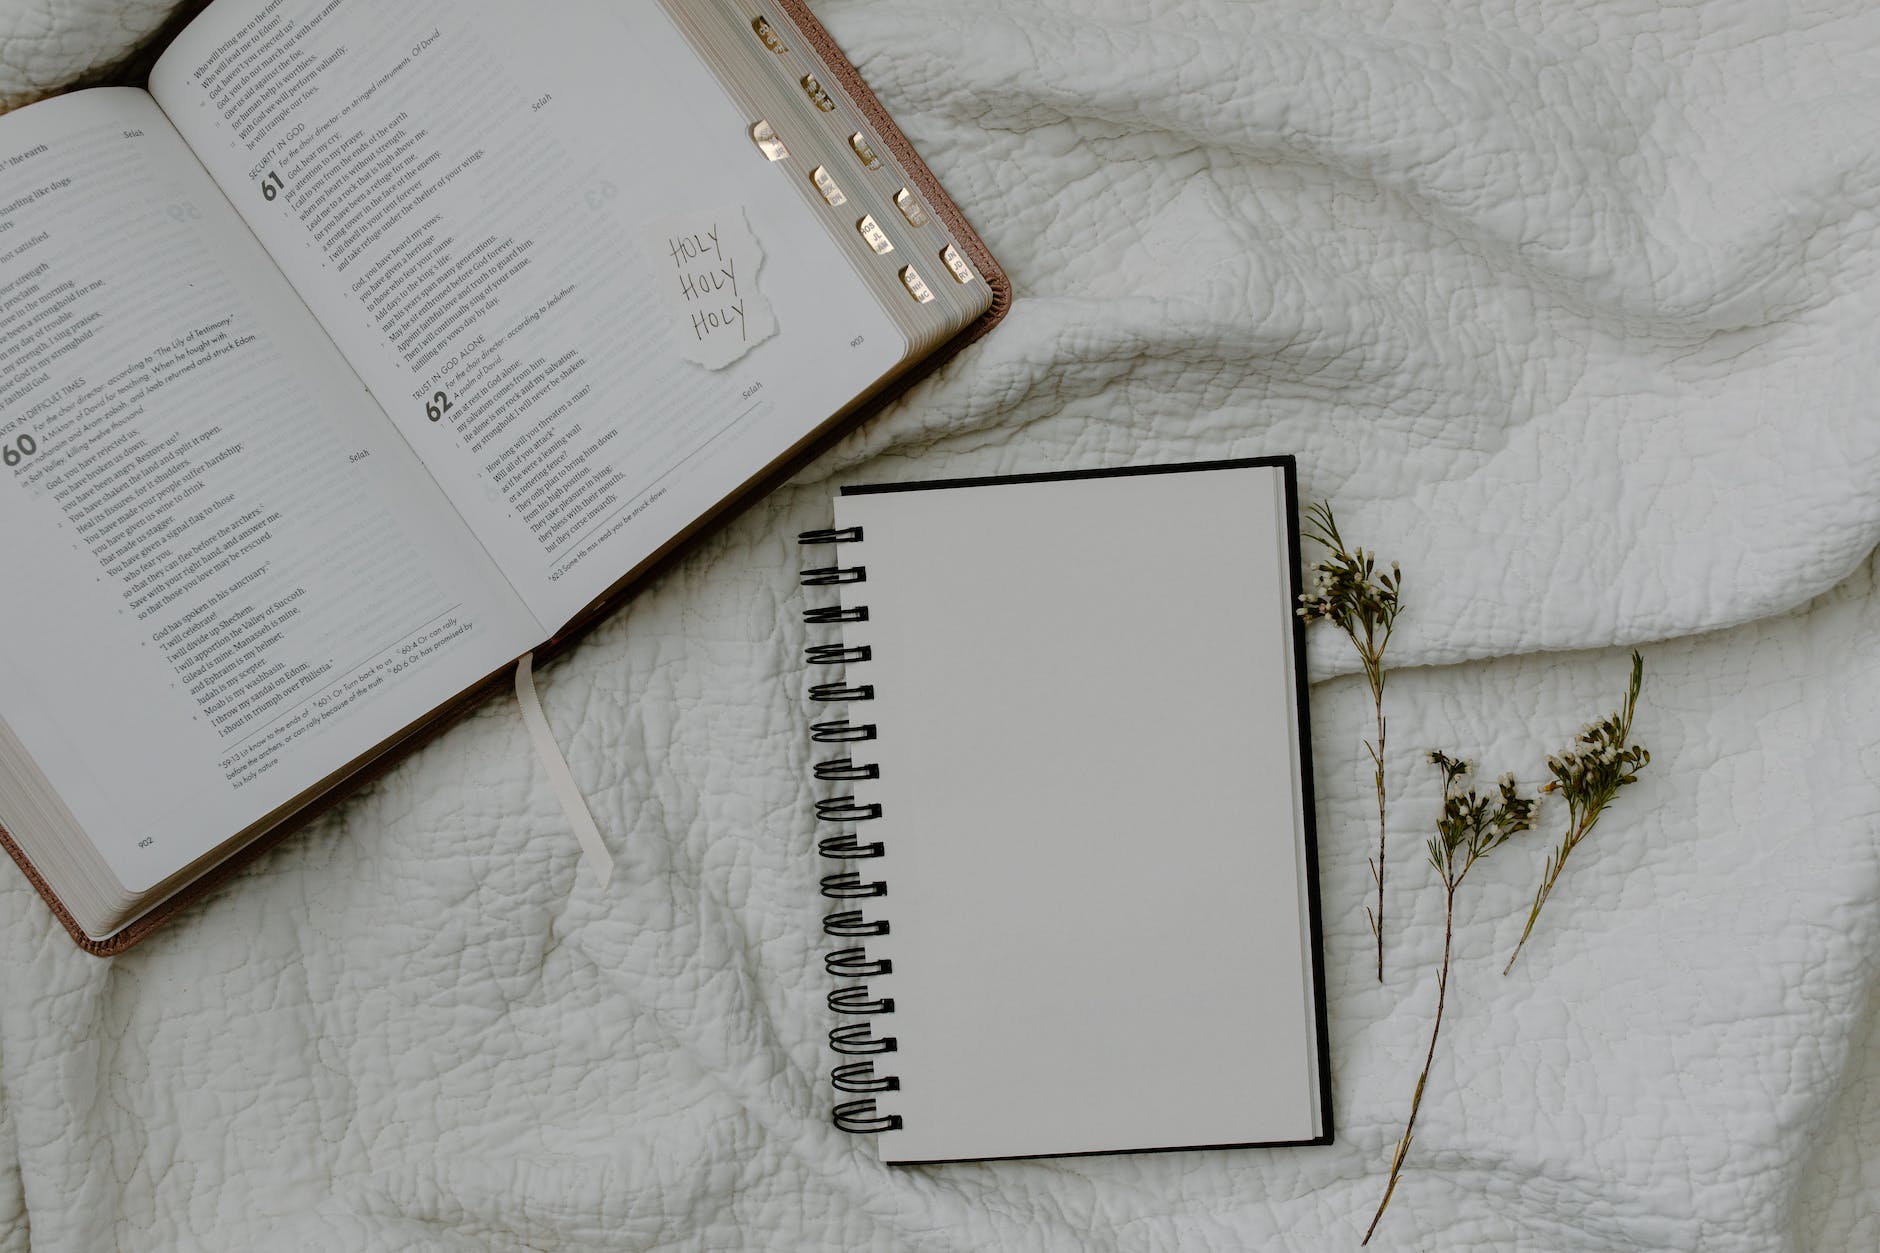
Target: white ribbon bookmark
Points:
(594, 854)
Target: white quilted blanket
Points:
(1569, 306)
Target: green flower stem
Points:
(1349, 592)
(1556, 862)
(1429, 1059)
(1471, 827)
(1376, 917)
(1589, 774)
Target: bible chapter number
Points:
(439, 406)
(18, 451)
(272, 186)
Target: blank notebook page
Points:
(1091, 781)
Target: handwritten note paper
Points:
(708, 263)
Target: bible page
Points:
(225, 576)
(546, 238)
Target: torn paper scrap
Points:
(707, 262)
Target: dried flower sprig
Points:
(1589, 774)
(1471, 827)
(1348, 591)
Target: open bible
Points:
(374, 347)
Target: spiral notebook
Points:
(1065, 814)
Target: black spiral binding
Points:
(854, 1000)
